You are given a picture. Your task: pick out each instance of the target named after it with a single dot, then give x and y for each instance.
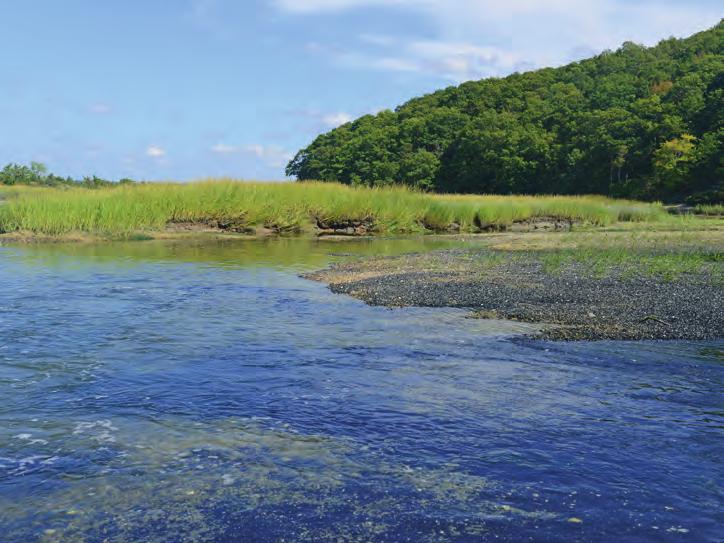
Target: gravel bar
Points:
(571, 303)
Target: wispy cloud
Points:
(455, 61)
(461, 61)
(479, 38)
(315, 119)
(154, 151)
(316, 6)
(224, 149)
(334, 120)
(271, 155)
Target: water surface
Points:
(193, 392)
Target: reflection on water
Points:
(180, 392)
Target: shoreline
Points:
(529, 229)
(570, 304)
(341, 230)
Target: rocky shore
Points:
(571, 303)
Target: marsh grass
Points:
(665, 255)
(124, 211)
(714, 210)
(668, 250)
(626, 264)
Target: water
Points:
(178, 392)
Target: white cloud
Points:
(154, 151)
(455, 61)
(493, 7)
(271, 155)
(254, 149)
(334, 120)
(462, 61)
(316, 6)
(478, 38)
(223, 149)
(316, 120)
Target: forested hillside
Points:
(638, 122)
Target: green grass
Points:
(710, 209)
(626, 263)
(669, 249)
(666, 255)
(124, 211)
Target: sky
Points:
(186, 89)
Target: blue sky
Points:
(182, 89)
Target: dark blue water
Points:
(155, 392)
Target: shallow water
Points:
(185, 392)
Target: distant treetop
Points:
(37, 174)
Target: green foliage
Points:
(639, 122)
(672, 162)
(418, 169)
(15, 174)
(37, 174)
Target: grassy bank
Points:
(289, 207)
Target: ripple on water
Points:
(157, 394)
(188, 472)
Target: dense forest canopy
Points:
(638, 122)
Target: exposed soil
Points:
(211, 225)
(542, 224)
(358, 227)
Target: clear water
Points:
(179, 392)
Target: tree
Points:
(672, 161)
(37, 174)
(637, 122)
(420, 169)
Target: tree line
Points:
(37, 174)
(637, 122)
